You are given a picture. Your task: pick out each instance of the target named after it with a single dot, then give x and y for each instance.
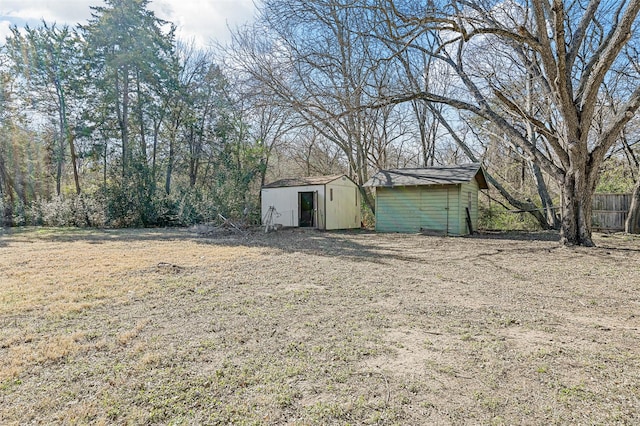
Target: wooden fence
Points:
(610, 211)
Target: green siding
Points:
(465, 190)
(438, 209)
(396, 209)
(426, 208)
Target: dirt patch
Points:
(307, 327)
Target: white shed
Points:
(323, 202)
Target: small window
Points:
(330, 194)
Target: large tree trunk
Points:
(632, 224)
(576, 211)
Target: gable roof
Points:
(303, 181)
(438, 175)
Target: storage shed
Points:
(432, 199)
(322, 202)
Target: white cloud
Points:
(204, 20)
(61, 11)
(201, 20)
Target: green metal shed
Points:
(440, 199)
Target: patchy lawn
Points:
(305, 327)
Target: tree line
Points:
(117, 122)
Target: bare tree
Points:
(422, 74)
(310, 57)
(568, 50)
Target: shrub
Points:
(496, 217)
(75, 210)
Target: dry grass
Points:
(305, 328)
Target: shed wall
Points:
(397, 209)
(285, 202)
(342, 203)
(469, 198)
(434, 208)
(439, 209)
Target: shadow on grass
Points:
(357, 245)
(344, 244)
(517, 235)
(364, 245)
(3, 233)
(606, 243)
(91, 235)
(369, 246)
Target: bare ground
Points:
(308, 328)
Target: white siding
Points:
(342, 204)
(285, 202)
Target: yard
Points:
(312, 328)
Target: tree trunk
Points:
(143, 139)
(576, 211)
(66, 133)
(104, 162)
(74, 163)
(632, 224)
(167, 180)
(547, 203)
(7, 215)
(154, 156)
(193, 158)
(59, 161)
(62, 136)
(122, 110)
(369, 201)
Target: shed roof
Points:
(303, 181)
(438, 175)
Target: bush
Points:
(189, 206)
(76, 210)
(496, 217)
(130, 205)
(13, 214)
(615, 179)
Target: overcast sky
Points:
(201, 20)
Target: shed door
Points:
(306, 209)
(434, 210)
